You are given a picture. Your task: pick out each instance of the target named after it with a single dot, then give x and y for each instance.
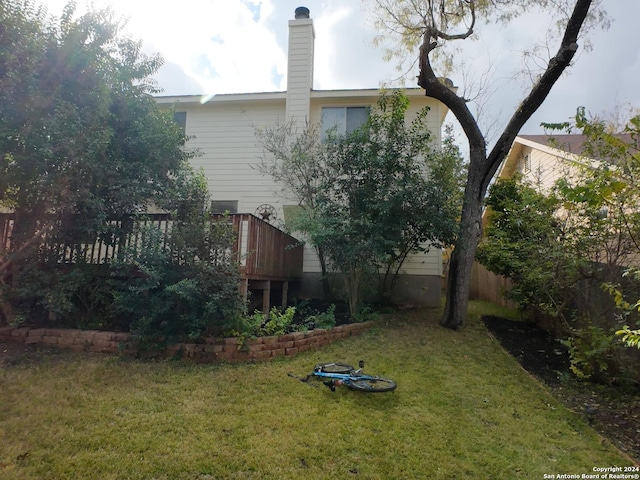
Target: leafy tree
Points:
(372, 197)
(423, 212)
(613, 189)
(81, 137)
(532, 238)
(433, 27)
(527, 242)
(296, 161)
(584, 232)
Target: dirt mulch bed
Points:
(613, 412)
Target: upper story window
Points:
(343, 119)
(181, 119)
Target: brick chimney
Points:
(300, 67)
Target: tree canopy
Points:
(370, 198)
(80, 132)
(428, 29)
(81, 137)
(79, 129)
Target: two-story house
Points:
(223, 129)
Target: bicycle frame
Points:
(351, 378)
(343, 377)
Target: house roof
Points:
(230, 97)
(568, 143)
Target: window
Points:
(344, 119)
(527, 163)
(224, 206)
(181, 119)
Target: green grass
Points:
(463, 409)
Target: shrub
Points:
(52, 294)
(259, 324)
(277, 322)
(325, 319)
(168, 300)
(593, 354)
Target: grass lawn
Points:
(464, 409)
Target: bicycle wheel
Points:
(334, 368)
(371, 384)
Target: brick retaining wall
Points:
(209, 350)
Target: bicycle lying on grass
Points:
(335, 374)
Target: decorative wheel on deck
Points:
(267, 213)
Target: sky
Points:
(239, 46)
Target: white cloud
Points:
(327, 51)
(218, 44)
(235, 46)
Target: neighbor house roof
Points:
(570, 147)
(570, 143)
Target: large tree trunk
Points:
(461, 262)
(326, 285)
(482, 168)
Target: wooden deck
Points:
(268, 259)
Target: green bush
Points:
(260, 324)
(593, 352)
(169, 300)
(277, 322)
(49, 294)
(366, 314)
(325, 319)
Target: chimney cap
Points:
(302, 12)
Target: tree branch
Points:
(7, 263)
(539, 92)
(435, 88)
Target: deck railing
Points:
(262, 251)
(265, 252)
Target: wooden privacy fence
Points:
(488, 286)
(263, 252)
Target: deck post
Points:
(244, 289)
(266, 296)
(285, 293)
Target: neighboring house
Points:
(223, 129)
(543, 159)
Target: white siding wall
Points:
(546, 168)
(224, 133)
